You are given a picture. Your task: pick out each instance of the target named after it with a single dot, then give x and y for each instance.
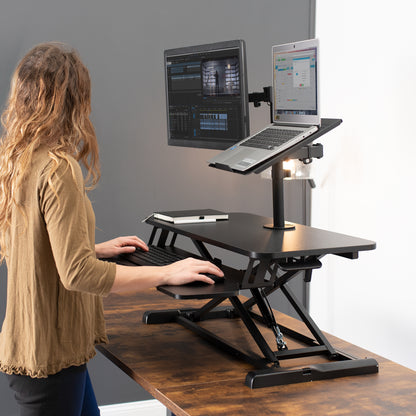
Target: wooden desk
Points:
(191, 377)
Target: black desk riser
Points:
(274, 257)
(275, 254)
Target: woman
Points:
(56, 281)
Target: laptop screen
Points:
(295, 82)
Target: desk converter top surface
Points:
(244, 234)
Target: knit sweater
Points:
(54, 314)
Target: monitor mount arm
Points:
(258, 97)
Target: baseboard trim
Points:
(142, 408)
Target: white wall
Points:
(366, 180)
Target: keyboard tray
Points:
(199, 290)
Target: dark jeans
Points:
(67, 393)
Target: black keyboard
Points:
(156, 256)
(159, 256)
(271, 138)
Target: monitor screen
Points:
(206, 95)
(295, 82)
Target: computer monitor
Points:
(206, 95)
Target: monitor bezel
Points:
(212, 142)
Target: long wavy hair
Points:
(49, 104)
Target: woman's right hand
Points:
(134, 279)
(190, 270)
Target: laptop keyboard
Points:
(271, 138)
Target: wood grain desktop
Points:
(191, 377)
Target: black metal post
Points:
(279, 223)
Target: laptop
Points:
(295, 109)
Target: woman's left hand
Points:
(118, 246)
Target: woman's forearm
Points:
(134, 279)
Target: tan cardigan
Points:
(54, 314)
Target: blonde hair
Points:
(49, 104)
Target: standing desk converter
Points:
(274, 257)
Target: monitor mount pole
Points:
(278, 173)
(279, 223)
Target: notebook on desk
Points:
(191, 216)
(295, 108)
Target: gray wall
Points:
(122, 44)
